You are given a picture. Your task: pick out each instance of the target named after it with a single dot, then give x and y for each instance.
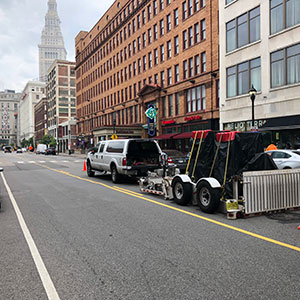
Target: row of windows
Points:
(245, 29)
(190, 7)
(285, 70)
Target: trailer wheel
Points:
(208, 197)
(182, 192)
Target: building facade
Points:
(60, 95)
(142, 54)
(33, 92)
(9, 108)
(52, 42)
(40, 119)
(67, 138)
(260, 46)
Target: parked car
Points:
(131, 157)
(7, 149)
(178, 158)
(286, 159)
(41, 149)
(50, 151)
(19, 150)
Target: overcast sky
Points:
(21, 25)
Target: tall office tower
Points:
(52, 43)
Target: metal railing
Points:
(266, 191)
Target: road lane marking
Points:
(31, 162)
(42, 161)
(41, 268)
(137, 195)
(20, 162)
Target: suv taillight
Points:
(124, 162)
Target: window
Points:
(169, 76)
(243, 30)
(169, 49)
(176, 45)
(241, 77)
(203, 62)
(191, 40)
(149, 12)
(155, 7)
(196, 5)
(164, 104)
(170, 105)
(286, 61)
(195, 99)
(149, 36)
(144, 39)
(144, 62)
(138, 20)
(143, 17)
(184, 10)
(162, 78)
(150, 60)
(190, 11)
(139, 43)
(185, 70)
(284, 14)
(177, 104)
(161, 4)
(168, 22)
(139, 65)
(162, 28)
(156, 78)
(228, 1)
(184, 37)
(203, 29)
(176, 71)
(191, 67)
(197, 65)
(156, 56)
(175, 17)
(155, 31)
(197, 34)
(162, 53)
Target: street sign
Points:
(151, 115)
(114, 137)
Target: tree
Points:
(46, 139)
(52, 142)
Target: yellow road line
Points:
(137, 195)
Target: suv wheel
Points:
(115, 176)
(89, 170)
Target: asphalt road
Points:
(98, 241)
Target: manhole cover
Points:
(285, 217)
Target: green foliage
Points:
(52, 142)
(48, 140)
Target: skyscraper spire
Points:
(52, 43)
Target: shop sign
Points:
(168, 122)
(193, 118)
(151, 115)
(244, 125)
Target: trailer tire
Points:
(182, 191)
(208, 198)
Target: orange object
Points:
(298, 227)
(84, 166)
(271, 147)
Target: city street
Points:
(101, 241)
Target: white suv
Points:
(131, 157)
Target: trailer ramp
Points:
(266, 191)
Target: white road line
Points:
(44, 275)
(42, 161)
(20, 162)
(31, 162)
(53, 161)
(77, 161)
(65, 161)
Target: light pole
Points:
(252, 95)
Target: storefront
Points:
(105, 133)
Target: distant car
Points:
(7, 149)
(50, 151)
(19, 150)
(286, 159)
(178, 158)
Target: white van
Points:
(41, 149)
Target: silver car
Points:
(286, 159)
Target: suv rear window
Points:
(142, 147)
(115, 147)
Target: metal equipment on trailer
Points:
(215, 176)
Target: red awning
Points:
(184, 135)
(165, 136)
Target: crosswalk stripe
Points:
(42, 161)
(20, 162)
(31, 162)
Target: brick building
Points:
(40, 119)
(61, 95)
(157, 52)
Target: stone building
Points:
(33, 92)
(9, 108)
(52, 42)
(141, 54)
(260, 46)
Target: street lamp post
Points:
(252, 95)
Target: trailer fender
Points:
(213, 182)
(184, 178)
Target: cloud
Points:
(21, 25)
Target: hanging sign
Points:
(151, 115)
